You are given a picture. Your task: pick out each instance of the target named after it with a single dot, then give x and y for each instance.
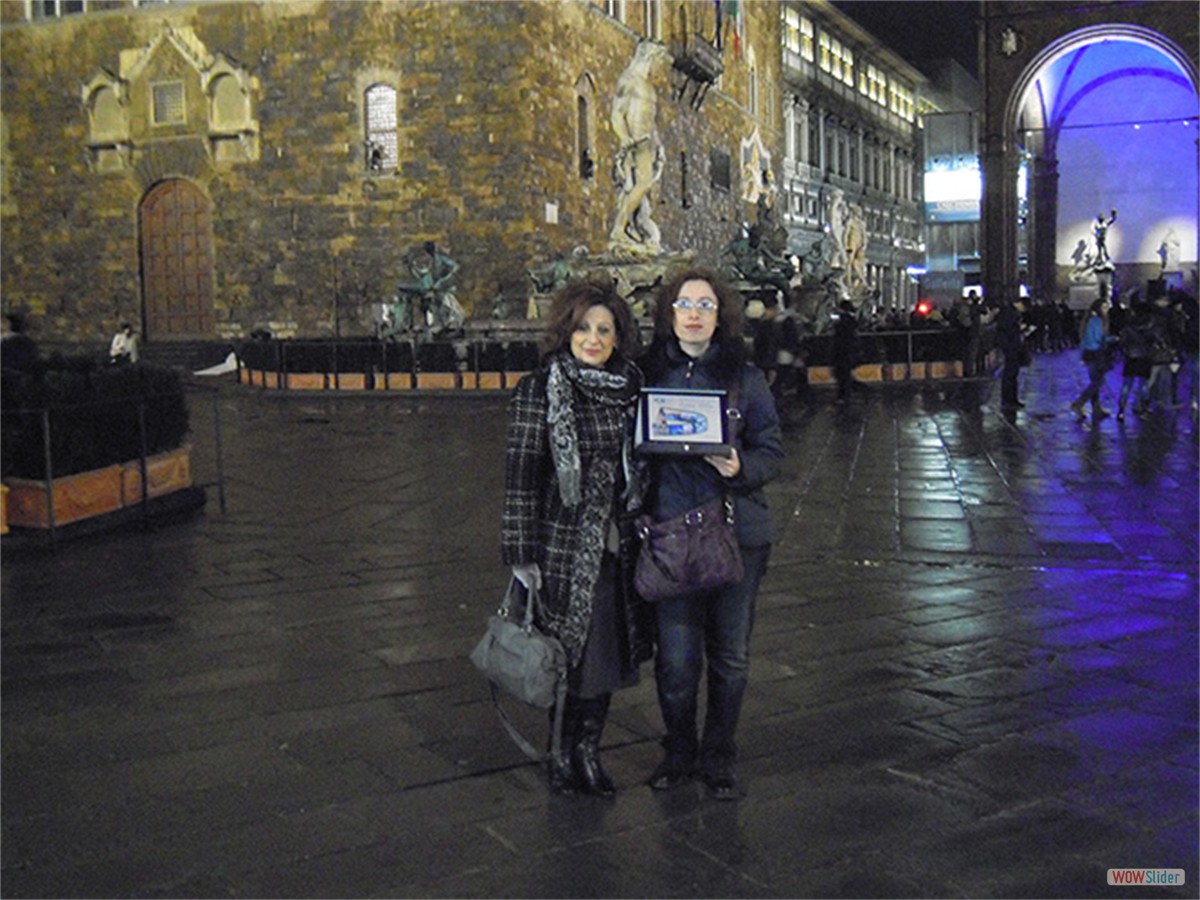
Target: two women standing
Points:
(572, 485)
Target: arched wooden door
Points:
(175, 222)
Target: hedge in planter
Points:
(93, 416)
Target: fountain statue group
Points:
(425, 305)
(757, 259)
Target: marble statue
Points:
(640, 156)
(855, 243)
(837, 228)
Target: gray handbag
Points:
(527, 665)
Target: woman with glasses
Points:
(698, 345)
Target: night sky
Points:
(920, 30)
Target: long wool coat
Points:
(567, 541)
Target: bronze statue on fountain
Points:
(427, 305)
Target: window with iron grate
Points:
(382, 144)
(167, 99)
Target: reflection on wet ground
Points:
(974, 669)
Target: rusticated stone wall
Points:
(487, 103)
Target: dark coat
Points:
(679, 483)
(1009, 339)
(537, 527)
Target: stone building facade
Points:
(206, 169)
(851, 137)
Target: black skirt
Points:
(602, 669)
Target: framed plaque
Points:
(683, 422)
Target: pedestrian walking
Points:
(698, 344)
(1135, 342)
(845, 348)
(570, 491)
(1095, 344)
(1010, 339)
(1166, 329)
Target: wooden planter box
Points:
(97, 492)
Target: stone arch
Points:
(106, 107)
(1006, 88)
(1080, 38)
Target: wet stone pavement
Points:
(975, 670)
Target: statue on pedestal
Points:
(551, 277)
(1100, 230)
(855, 243)
(752, 261)
(1168, 251)
(640, 155)
(429, 299)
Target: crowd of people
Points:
(1154, 341)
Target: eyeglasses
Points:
(704, 307)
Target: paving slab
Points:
(975, 669)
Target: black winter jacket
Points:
(678, 483)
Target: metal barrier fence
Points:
(483, 361)
(367, 363)
(35, 437)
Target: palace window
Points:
(56, 9)
(583, 126)
(901, 102)
(837, 60)
(382, 145)
(685, 195)
(167, 101)
(652, 19)
(791, 30)
(719, 168)
(814, 139)
(53, 9)
(798, 34)
(752, 82)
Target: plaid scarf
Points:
(598, 386)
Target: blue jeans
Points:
(715, 625)
(1097, 368)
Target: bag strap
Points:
(560, 697)
(560, 689)
(732, 400)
